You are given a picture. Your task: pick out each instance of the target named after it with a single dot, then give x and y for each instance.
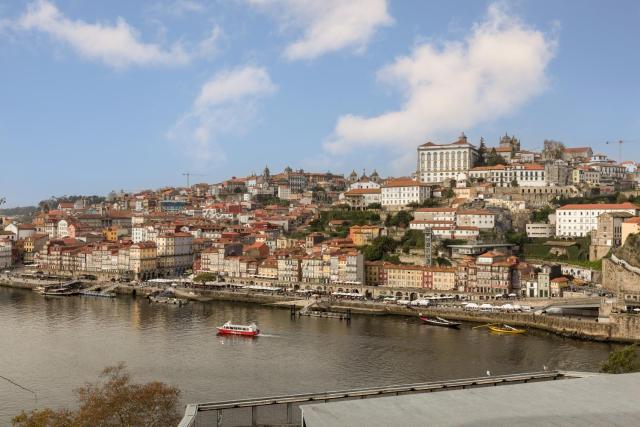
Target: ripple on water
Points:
(54, 345)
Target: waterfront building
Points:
(578, 220)
(143, 260)
(439, 163)
(289, 268)
(490, 273)
(374, 273)
(347, 267)
(417, 276)
(6, 253)
(175, 252)
(315, 269)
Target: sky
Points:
(119, 95)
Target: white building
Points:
(579, 220)
(21, 231)
(5, 253)
(479, 218)
(435, 214)
(538, 230)
(397, 193)
(442, 162)
(525, 175)
(450, 217)
(364, 183)
(362, 197)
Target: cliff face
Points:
(630, 251)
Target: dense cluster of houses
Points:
(257, 228)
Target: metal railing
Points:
(284, 409)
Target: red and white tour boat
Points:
(244, 330)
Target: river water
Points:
(53, 345)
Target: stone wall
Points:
(617, 278)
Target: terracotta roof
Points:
(625, 205)
(475, 212)
(360, 191)
(418, 221)
(403, 182)
(633, 220)
(435, 210)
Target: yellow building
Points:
(143, 259)
(363, 234)
(443, 278)
(403, 276)
(630, 226)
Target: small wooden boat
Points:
(243, 330)
(439, 321)
(506, 329)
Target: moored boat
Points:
(244, 330)
(506, 329)
(439, 321)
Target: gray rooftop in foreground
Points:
(599, 400)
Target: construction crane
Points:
(619, 148)
(189, 175)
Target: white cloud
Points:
(117, 45)
(328, 25)
(454, 86)
(226, 104)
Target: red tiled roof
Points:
(625, 205)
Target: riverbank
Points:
(619, 327)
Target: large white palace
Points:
(442, 162)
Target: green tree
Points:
(621, 361)
(448, 193)
(514, 183)
(493, 158)
(379, 248)
(114, 401)
(205, 277)
(542, 215)
(400, 219)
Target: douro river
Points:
(53, 345)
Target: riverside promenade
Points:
(624, 328)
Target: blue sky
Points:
(96, 96)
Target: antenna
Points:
(619, 148)
(189, 174)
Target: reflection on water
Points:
(53, 345)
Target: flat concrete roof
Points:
(598, 400)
